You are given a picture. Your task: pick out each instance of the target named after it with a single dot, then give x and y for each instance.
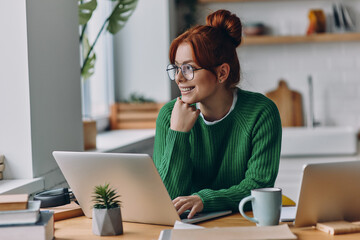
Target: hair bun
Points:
(228, 22)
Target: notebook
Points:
(329, 192)
(143, 195)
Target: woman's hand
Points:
(192, 203)
(183, 116)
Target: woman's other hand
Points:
(192, 203)
(183, 116)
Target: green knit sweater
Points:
(221, 163)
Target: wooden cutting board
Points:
(289, 104)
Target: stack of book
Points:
(342, 19)
(2, 166)
(22, 219)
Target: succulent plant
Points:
(105, 197)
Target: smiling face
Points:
(204, 84)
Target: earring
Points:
(219, 81)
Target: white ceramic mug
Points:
(266, 206)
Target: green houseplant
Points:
(121, 12)
(106, 215)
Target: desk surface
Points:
(80, 228)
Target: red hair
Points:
(214, 44)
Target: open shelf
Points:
(316, 38)
(219, 1)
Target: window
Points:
(98, 91)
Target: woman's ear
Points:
(223, 72)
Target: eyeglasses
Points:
(186, 69)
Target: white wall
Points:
(335, 67)
(14, 91)
(55, 94)
(40, 100)
(141, 52)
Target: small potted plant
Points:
(106, 215)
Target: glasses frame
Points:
(181, 68)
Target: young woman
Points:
(216, 142)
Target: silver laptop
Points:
(143, 195)
(329, 192)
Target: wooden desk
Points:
(80, 228)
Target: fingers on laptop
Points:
(192, 203)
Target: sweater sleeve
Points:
(262, 166)
(172, 155)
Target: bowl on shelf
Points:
(254, 29)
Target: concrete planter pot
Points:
(107, 222)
